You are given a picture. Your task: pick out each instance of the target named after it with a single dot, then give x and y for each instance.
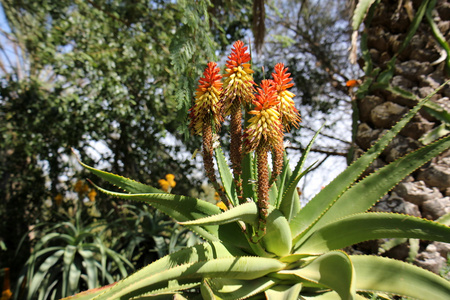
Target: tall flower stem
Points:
(277, 160)
(208, 160)
(263, 191)
(236, 146)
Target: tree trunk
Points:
(426, 193)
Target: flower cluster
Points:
(265, 126)
(270, 106)
(238, 85)
(206, 108)
(167, 184)
(281, 82)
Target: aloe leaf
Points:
(89, 294)
(368, 191)
(438, 111)
(333, 296)
(360, 12)
(75, 271)
(226, 177)
(445, 219)
(285, 174)
(247, 212)
(247, 268)
(289, 202)
(435, 134)
(44, 268)
(249, 177)
(374, 273)
(200, 252)
(181, 208)
(333, 270)
(370, 226)
(231, 289)
(68, 260)
(440, 38)
(172, 291)
(91, 270)
(414, 25)
(124, 183)
(284, 292)
(309, 214)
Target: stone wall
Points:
(420, 70)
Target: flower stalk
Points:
(238, 91)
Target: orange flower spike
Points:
(281, 82)
(207, 100)
(265, 126)
(238, 83)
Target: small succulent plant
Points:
(265, 245)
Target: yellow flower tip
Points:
(281, 82)
(164, 184)
(207, 100)
(222, 205)
(238, 82)
(171, 180)
(265, 126)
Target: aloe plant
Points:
(70, 256)
(265, 245)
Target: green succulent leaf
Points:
(200, 252)
(445, 219)
(226, 177)
(249, 177)
(374, 273)
(284, 292)
(366, 192)
(289, 202)
(124, 183)
(360, 12)
(333, 270)
(370, 226)
(172, 278)
(332, 296)
(44, 268)
(181, 208)
(247, 212)
(312, 211)
(224, 288)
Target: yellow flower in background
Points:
(81, 187)
(171, 180)
(6, 292)
(58, 199)
(222, 205)
(78, 186)
(164, 184)
(91, 195)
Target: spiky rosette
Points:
(281, 82)
(238, 83)
(265, 126)
(207, 106)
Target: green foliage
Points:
(70, 256)
(104, 72)
(307, 263)
(143, 234)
